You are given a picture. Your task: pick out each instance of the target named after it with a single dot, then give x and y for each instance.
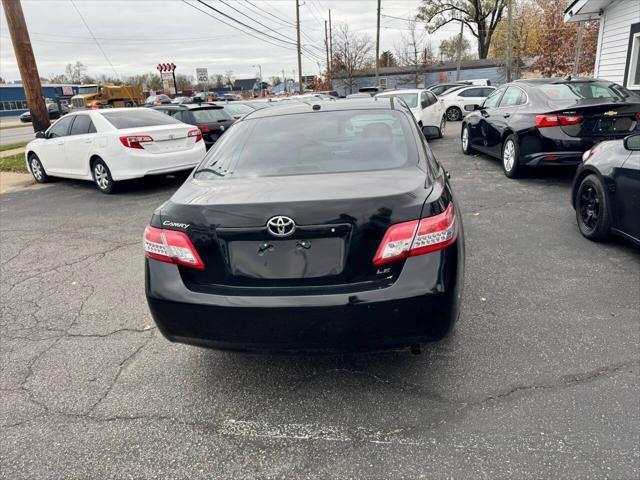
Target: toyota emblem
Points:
(281, 226)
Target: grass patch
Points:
(12, 146)
(14, 163)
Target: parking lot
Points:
(538, 380)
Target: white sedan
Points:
(455, 100)
(115, 144)
(426, 109)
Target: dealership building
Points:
(13, 100)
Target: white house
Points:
(618, 54)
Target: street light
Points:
(259, 67)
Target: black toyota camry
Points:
(327, 227)
(549, 121)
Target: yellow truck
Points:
(105, 95)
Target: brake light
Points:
(195, 133)
(171, 247)
(135, 141)
(638, 116)
(543, 121)
(417, 237)
(203, 128)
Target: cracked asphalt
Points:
(540, 378)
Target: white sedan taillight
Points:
(417, 237)
(135, 141)
(195, 133)
(171, 247)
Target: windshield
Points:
(136, 118)
(308, 143)
(411, 99)
(210, 115)
(89, 89)
(580, 90)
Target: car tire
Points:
(592, 209)
(465, 140)
(511, 157)
(443, 127)
(102, 177)
(454, 114)
(37, 170)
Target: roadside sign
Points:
(202, 75)
(67, 90)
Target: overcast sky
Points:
(136, 35)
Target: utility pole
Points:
(509, 40)
(378, 45)
(459, 59)
(299, 54)
(330, 43)
(26, 64)
(576, 62)
(326, 46)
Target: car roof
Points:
(399, 90)
(370, 103)
(188, 106)
(551, 80)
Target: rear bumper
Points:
(138, 163)
(553, 158)
(421, 305)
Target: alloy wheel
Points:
(465, 139)
(509, 155)
(36, 169)
(453, 114)
(102, 176)
(589, 207)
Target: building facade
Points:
(13, 100)
(407, 77)
(618, 52)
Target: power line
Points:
(271, 14)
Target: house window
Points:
(633, 79)
(383, 82)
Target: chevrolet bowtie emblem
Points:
(611, 113)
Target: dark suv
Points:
(212, 120)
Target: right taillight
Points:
(135, 141)
(417, 237)
(543, 121)
(171, 246)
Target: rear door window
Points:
(134, 118)
(82, 125)
(313, 143)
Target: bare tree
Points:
(75, 72)
(351, 52)
(481, 16)
(411, 48)
(228, 78)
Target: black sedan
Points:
(606, 190)
(212, 120)
(326, 227)
(549, 121)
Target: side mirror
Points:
(632, 142)
(41, 134)
(472, 108)
(430, 132)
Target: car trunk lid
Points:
(165, 138)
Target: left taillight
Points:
(171, 247)
(135, 141)
(417, 237)
(195, 133)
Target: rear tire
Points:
(454, 114)
(102, 177)
(511, 157)
(465, 140)
(592, 209)
(37, 170)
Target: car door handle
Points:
(60, 143)
(506, 115)
(88, 141)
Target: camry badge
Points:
(611, 113)
(281, 226)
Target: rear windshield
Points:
(580, 90)
(308, 143)
(210, 115)
(138, 118)
(411, 99)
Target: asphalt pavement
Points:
(540, 378)
(16, 134)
